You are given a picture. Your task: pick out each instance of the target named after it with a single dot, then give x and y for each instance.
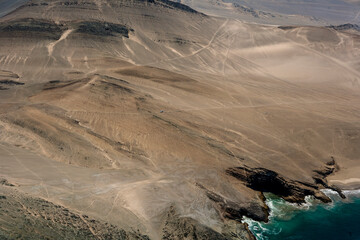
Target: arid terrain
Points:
(146, 119)
(299, 12)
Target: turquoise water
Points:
(339, 220)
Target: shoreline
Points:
(346, 184)
(347, 192)
(282, 209)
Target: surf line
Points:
(284, 214)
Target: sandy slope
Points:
(127, 108)
(317, 12)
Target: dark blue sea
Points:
(339, 220)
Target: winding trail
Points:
(195, 52)
(52, 45)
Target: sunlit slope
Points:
(301, 12)
(173, 99)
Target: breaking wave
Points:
(286, 218)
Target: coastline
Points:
(347, 178)
(282, 211)
(349, 184)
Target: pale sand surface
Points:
(123, 128)
(347, 178)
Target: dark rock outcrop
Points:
(33, 28)
(347, 26)
(235, 211)
(321, 174)
(41, 28)
(247, 10)
(286, 27)
(264, 180)
(10, 82)
(103, 29)
(177, 5)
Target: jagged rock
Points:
(320, 177)
(264, 180)
(328, 169)
(235, 211)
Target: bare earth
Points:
(146, 116)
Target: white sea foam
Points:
(282, 210)
(256, 228)
(329, 192)
(349, 193)
(279, 209)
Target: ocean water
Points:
(339, 220)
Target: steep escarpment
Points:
(236, 211)
(268, 181)
(264, 180)
(321, 174)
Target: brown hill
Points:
(147, 114)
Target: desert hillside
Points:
(159, 121)
(299, 12)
